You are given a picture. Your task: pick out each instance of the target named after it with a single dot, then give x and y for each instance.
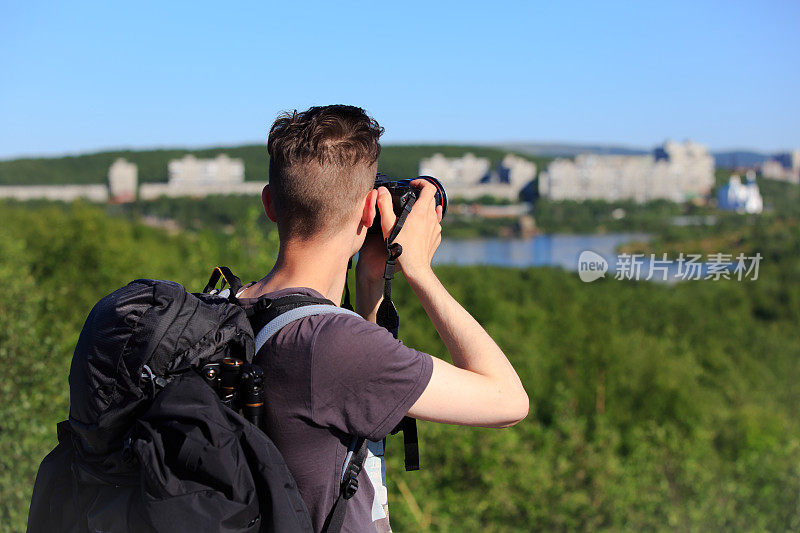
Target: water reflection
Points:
(563, 251)
(542, 250)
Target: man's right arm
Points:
(480, 388)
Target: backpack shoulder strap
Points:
(278, 313)
(269, 316)
(348, 484)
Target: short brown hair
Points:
(321, 163)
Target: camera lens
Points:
(441, 195)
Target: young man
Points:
(336, 376)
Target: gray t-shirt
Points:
(329, 377)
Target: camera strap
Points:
(388, 318)
(387, 312)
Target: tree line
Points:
(653, 407)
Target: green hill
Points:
(653, 407)
(399, 161)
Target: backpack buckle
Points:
(349, 490)
(262, 304)
(350, 483)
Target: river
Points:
(564, 251)
(543, 250)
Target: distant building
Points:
(122, 181)
(675, 171)
(516, 171)
(63, 193)
(740, 197)
(455, 172)
(784, 167)
(471, 177)
(191, 171)
(187, 177)
(195, 177)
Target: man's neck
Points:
(319, 265)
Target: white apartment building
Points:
(195, 177)
(122, 181)
(455, 172)
(675, 171)
(63, 193)
(191, 171)
(783, 167)
(121, 187)
(470, 177)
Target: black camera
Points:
(399, 189)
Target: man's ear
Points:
(369, 209)
(266, 199)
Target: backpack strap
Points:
(227, 276)
(269, 316)
(348, 485)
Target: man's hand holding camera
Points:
(422, 231)
(420, 237)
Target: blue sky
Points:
(84, 76)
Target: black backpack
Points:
(149, 445)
